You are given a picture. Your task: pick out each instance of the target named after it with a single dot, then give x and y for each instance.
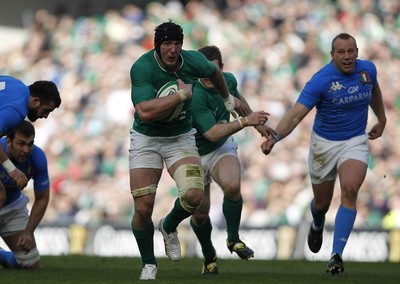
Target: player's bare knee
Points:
(143, 210)
(28, 260)
(350, 192)
(232, 185)
(189, 179)
(322, 204)
(322, 207)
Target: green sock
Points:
(232, 211)
(203, 234)
(145, 242)
(175, 217)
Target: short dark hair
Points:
(46, 91)
(343, 36)
(25, 128)
(212, 53)
(167, 31)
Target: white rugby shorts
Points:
(229, 148)
(326, 156)
(150, 152)
(14, 216)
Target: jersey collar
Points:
(162, 68)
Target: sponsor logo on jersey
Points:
(336, 86)
(352, 89)
(215, 112)
(352, 99)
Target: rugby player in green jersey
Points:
(162, 133)
(219, 157)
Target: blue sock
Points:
(7, 259)
(344, 222)
(318, 217)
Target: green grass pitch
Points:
(88, 269)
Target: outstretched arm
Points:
(263, 129)
(287, 124)
(221, 130)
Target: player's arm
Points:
(285, 126)
(41, 187)
(156, 108)
(232, 105)
(290, 121)
(264, 129)
(3, 155)
(379, 110)
(26, 238)
(218, 80)
(143, 94)
(222, 130)
(38, 209)
(12, 171)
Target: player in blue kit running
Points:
(18, 101)
(342, 92)
(17, 226)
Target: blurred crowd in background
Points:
(272, 46)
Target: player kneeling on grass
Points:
(17, 225)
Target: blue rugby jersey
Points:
(341, 100)
(35, 167)
(14, 102)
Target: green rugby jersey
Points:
(208, 109)
(147, 77)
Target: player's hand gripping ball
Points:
(166, 90)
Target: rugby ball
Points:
(166, 90)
